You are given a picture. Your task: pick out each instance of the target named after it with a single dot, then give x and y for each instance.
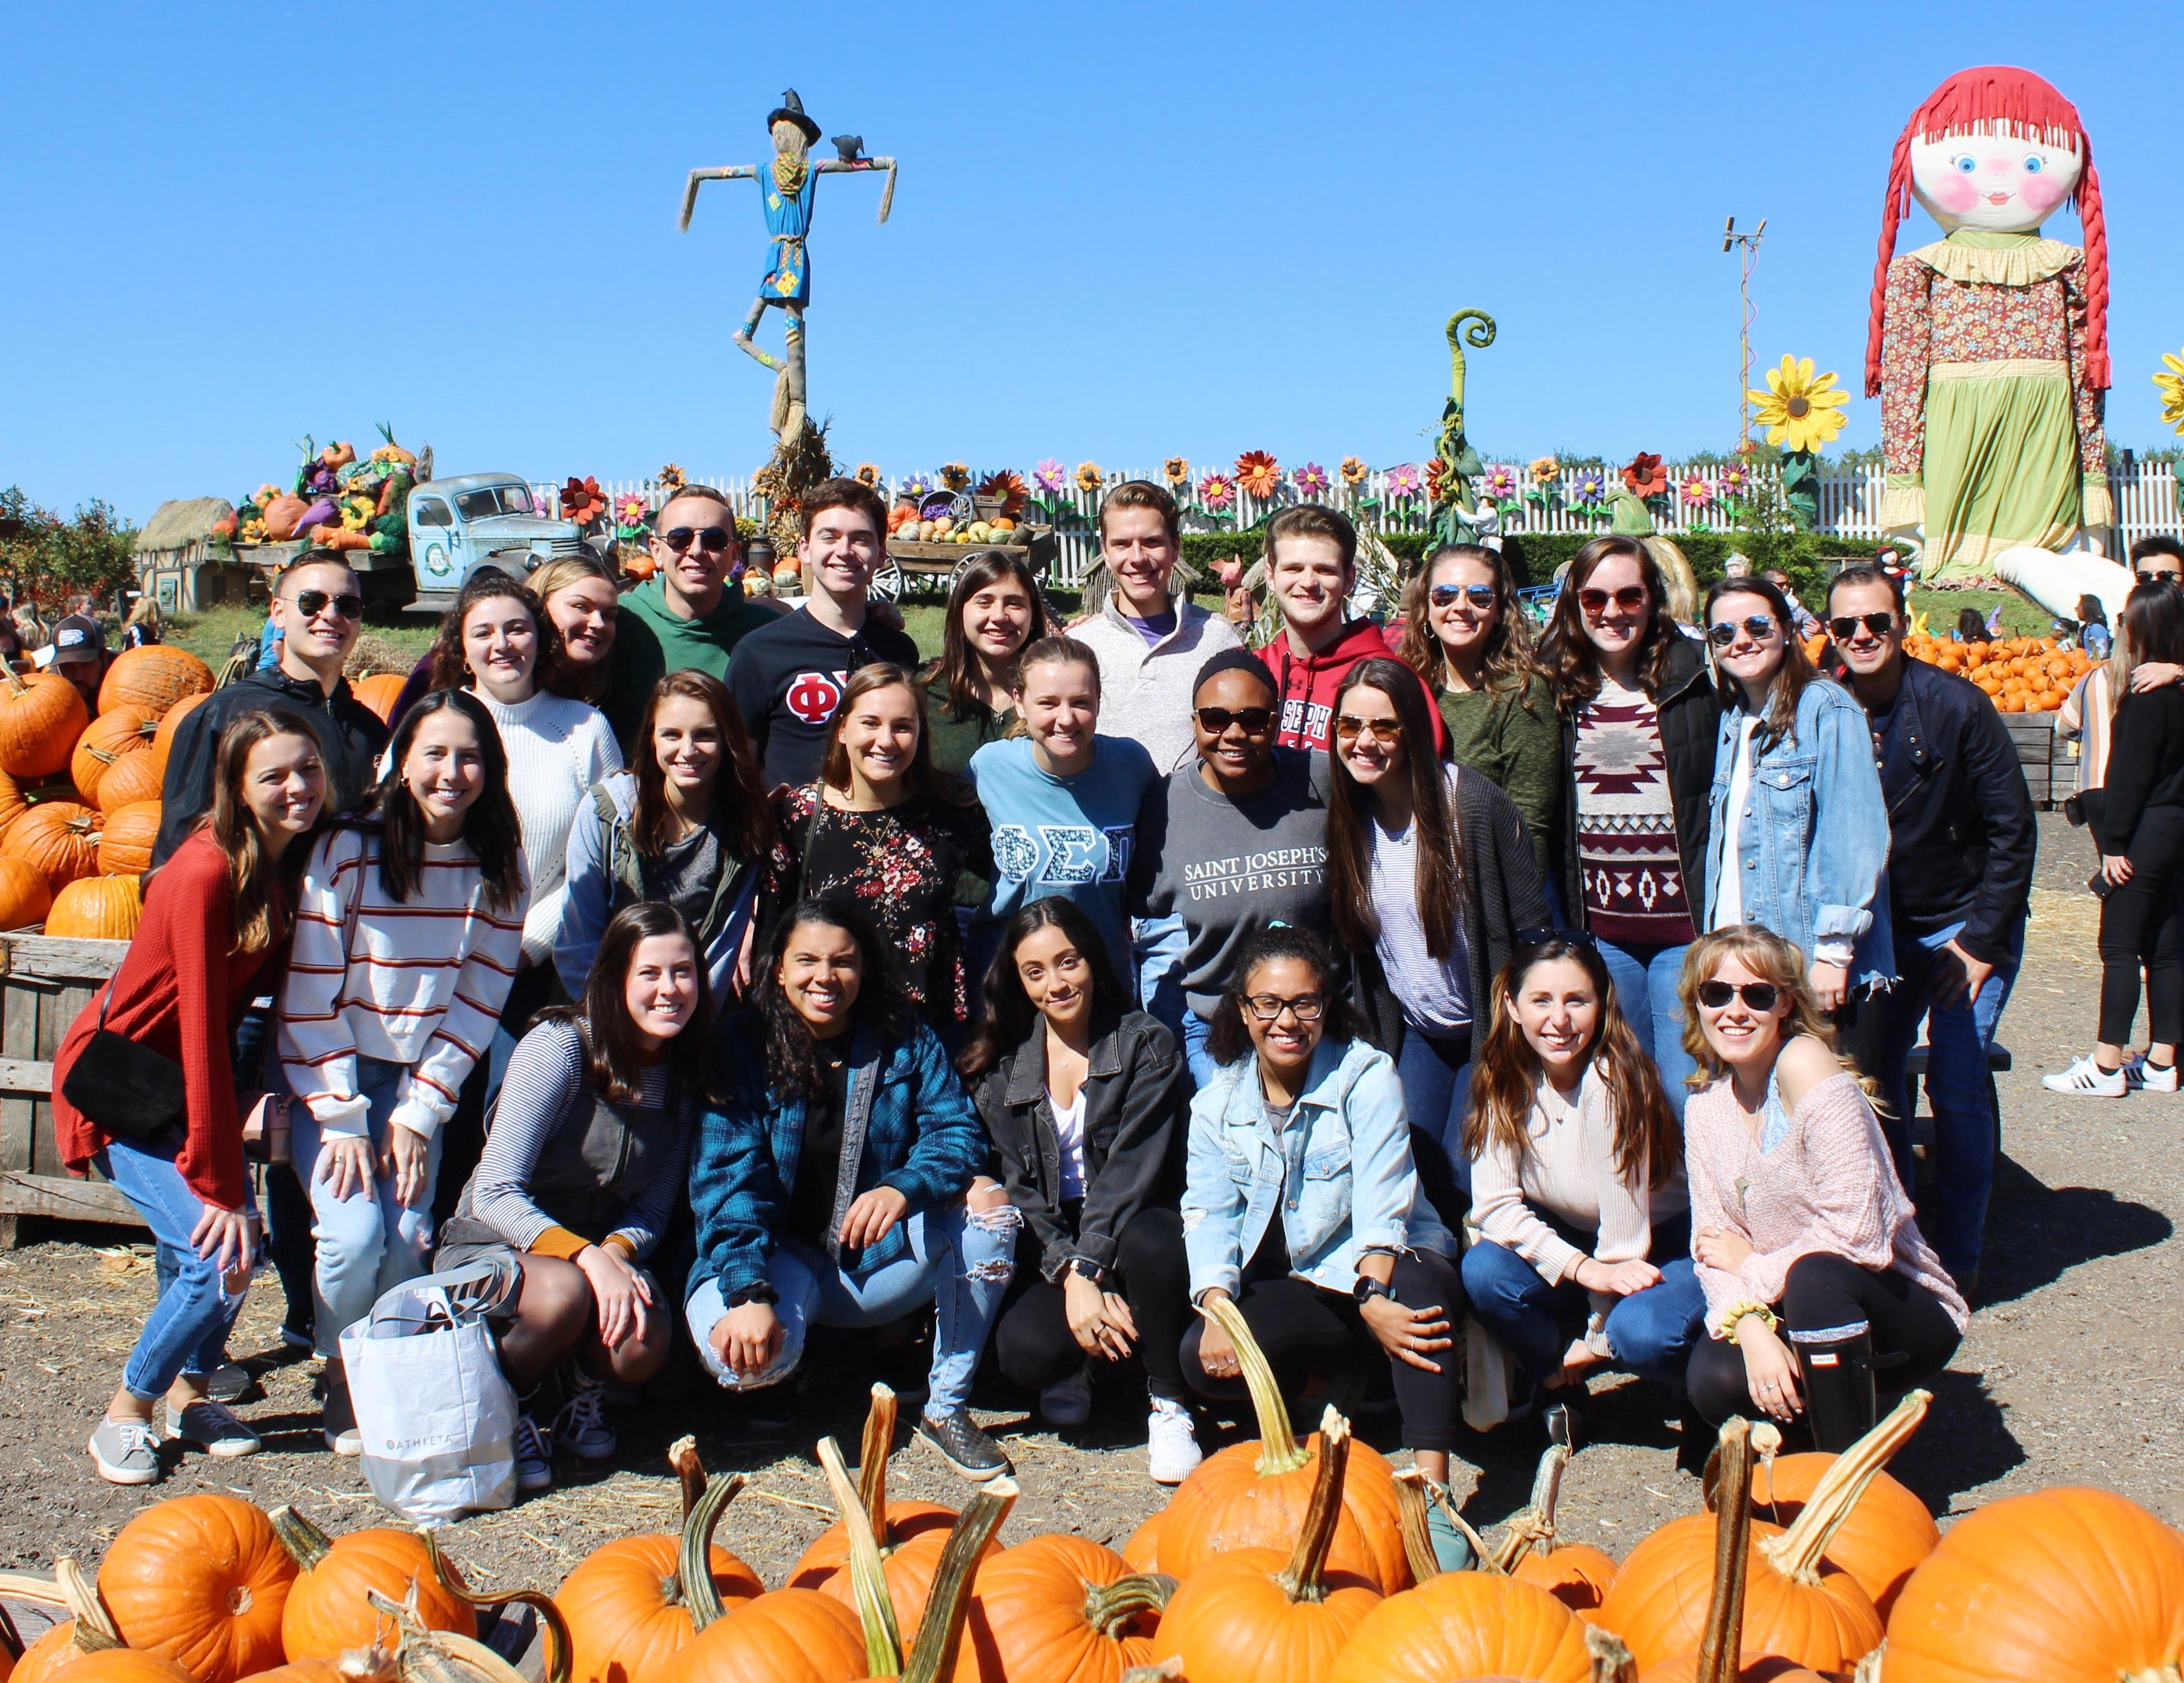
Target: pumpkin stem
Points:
(867, 1576)
(305, 1543)
(1109, 1607)
(1417, 1542)
(1434, 1495)
(683, 1456)
(1279, 1450)
(1721, 1640)
(1611, 1661)
(1535, 1524)
(940, 1635)
(873, 1451)
(560, 1652)
(11, 1639)
(1166, 1672)
(1796, 1553)
(1305, 1578)
(1868, 1669)
(95, 1628)
(1766, 1444)
(694, 1563)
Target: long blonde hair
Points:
(576, 684)
(1767, 956)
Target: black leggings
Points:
(1033, 1342)
(2140, 925)
(1912, 1336)
(1303, 1328)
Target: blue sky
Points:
(1121, 233)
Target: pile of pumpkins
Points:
(2019, 674)
(80, 795)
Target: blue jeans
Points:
(1645, 979)
(1195, 1031)
(1651, 1332)
(1436, 1093)
(187, 1331)
(368, 1243)
(959, 1263)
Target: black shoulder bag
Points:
(130, 1091)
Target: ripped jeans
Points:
(960, 1262)
(187, 1331)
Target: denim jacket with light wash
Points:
(1814, 847)
(1340, 1174)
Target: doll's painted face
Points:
(2001, 182)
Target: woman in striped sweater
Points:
(408, 929)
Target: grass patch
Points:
(2019, 617)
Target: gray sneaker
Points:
(969, 1450)
(125, 1453)
(212, 1428)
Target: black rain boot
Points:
(1840, 1400)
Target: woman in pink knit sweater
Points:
(1818, 1285)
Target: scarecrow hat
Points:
(791, 110)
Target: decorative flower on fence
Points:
(1800, 412)
(1503, 485)
(670, 478)
(868, 473)
(1217, 492)
(2172, 386)
(1089, 477)
(1354, 471)
(1546, 470)
(1008, 484)
(1697, 493)
(582, 501)
(1177, 471)
(1257, 475)
(1311, 480)
(1736, 479)
(955, 475)
(1644, 475)
(918, 485)
(1403, 481)
(1586, 490)
(632, 510)
(1050, 475)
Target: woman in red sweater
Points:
(215, 935)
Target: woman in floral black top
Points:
(882, 828)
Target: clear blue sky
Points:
(1121, 231)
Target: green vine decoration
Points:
(1454, 458)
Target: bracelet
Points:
(1728, 1320)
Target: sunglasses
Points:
(2159, 578)
(1760, 629)
(1480, 596)
(1348, 727)
(712, 539)
(1759, 996)
(1308, 1007)
(1631, 599)
(310, 604)
(1253, 721)
(1844, 626)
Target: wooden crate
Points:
(43, 984)
(2038, 752)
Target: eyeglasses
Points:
(1631, 599)
(1253, 721)
(1348, 727)
(1308, 1007)
(712, 539)
(2160, 577)
(1480, 596)
(1760, 997)
(1760, 629)
(1844, 626)
(310, 604)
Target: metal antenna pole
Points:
(1749, 245)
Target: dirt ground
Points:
(2069, 1375)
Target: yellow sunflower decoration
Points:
(1088, 477)
(1799, 411)
(2172, 391)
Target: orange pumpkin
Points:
(116, 732)
(97, 909)
(41, 717)
(58, 838)
(135, 778)
(122, 1665)
(152, 678)
(202, 1581)
(163, 738)
(1064, 1609)
(783, 1636)
(302, 1671)
(1469, 1624)
(44, 1659)
(13, 806)
(327, 1614)
(379, 692)
(1576, 1575)
(2067, 1584)
(1142, 1548)
(1256, 1494)
(125, 845)
(25, 896)
(1888, 1533)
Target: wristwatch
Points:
(761, 1292)
(1085, 1268)
(1367, 1289)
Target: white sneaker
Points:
(1068, 1403)
(2141, 1077)
(582, 1423)
(534, 1457)
(1171, 1448)
(2085, 1079)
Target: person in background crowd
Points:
(2093, 634)
(1798, 834)
(1302, 1206)
(2158, 559)
(2138, 822)
(836, 1181)
(11, 636)
(1431, 887)
(994, 612)
(1085, 1099)
(878, 828)
(1577, 1184)
(2090, 704)
(1960, 851)
(409, 930)
(1149, 637)
(142, 628)
(1806, 622)
(1638, 719)
(214, 933)
(79, 655)
(583, 604)
(1465, 633)
(1737, 565)
(789, 676)
(1971, 627)
(688, 827)
(1799, 1223)
(587, 1163)
(688, 614)
(1229, 846)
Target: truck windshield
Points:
(494, 500)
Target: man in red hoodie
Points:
(1312, 567)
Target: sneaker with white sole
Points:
(1171, 1448)
(211, 1427)
(2085, 1079)
(339, 1422)
(125, 1453)
(582, 1424)
(534, 1455)
(1068, 1403)
(2142, 1076)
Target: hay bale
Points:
(373, 655)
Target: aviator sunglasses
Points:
(1759, 996)
(310, 604)
(1480, 596)
(1844, 626)
(1760, 629)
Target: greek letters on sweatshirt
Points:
(788, 678)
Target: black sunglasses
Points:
(1760, 997)
(2159, 578)
(712, 539)
(1760, 629)
(1480, 596)
(1630, 599)
(1255, 721)
(1844, 626)
(310, 604)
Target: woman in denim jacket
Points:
(1798, 839)
(1302, 1204)
(836, 1180)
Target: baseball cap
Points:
(78, 637)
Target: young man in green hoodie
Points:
(687, 615)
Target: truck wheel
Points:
(886, 582)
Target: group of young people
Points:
(1407, 985)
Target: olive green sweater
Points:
(1515, 736)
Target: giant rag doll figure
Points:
(1989, 348)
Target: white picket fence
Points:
(2146, 500)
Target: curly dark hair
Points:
(881, 1004)
(1230, 1039)
(451, 671)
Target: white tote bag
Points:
(436, 1415)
